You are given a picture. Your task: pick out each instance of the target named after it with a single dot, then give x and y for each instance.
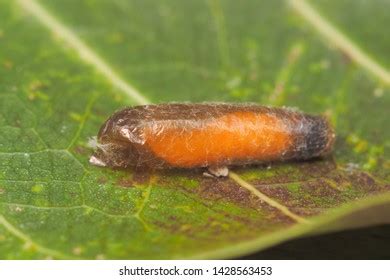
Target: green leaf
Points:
(66, 65)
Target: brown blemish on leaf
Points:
(134, 177)
(220, 189)
(291, 172)
(323, 185)
(223, 189)
(125, 182)
(281, 193)
(165, 175)
(319, 194)
(217, 189)
(142, 177)
(291, 200)
(363, 182)
(312, 193)
(321, 189)
(339, 180)
(317, 168)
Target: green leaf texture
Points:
(66, 65)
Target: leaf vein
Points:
(22, 236)
(282, 208)
(84, 51)
(340, 40)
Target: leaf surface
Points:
(66, 65)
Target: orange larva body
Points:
(203, 135)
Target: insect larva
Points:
(213, 135)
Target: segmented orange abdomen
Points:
(217, 134)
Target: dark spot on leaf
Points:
(317, 168)
(320, 189)
(217, 189)
(363, 178)
(339, 179)
(142, 176)
(125, 182)
(279, 193)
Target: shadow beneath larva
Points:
(144, 175)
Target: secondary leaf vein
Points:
(340, 40)
(285, 210)
(19, 234)
(84, 51)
